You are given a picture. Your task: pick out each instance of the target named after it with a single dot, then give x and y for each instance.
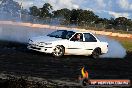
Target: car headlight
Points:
(41, 43)
(48, 43)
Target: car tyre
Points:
(58, 51)
(96, 53)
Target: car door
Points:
(75, 46)
(90, 43)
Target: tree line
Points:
(78, 17)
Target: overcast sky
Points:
(103, 8)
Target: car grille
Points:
(35, 48)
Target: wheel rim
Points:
(58, 51)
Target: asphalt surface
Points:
(16, 59)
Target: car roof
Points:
(82, 32)
(77, 31)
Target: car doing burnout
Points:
(66, 42)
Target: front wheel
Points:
(96, 53)
(58, 51)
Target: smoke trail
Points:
(20, 33)
(116, 50)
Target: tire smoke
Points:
(116, 50)
(20, 33)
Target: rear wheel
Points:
(96, 53)
(58, 51)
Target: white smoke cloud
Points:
(20, 33)
(115, 49)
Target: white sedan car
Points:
(66, 42)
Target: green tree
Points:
(86, 17)
(74, 17)
(129, 22)
(45, 10)
(34, 11)
(121, 21)
(61, 13)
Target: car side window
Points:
(89, 37)
(57, 33)
(69, 34)
(77, 37)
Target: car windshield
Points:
(64, 34)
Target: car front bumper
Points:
(45, 49)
